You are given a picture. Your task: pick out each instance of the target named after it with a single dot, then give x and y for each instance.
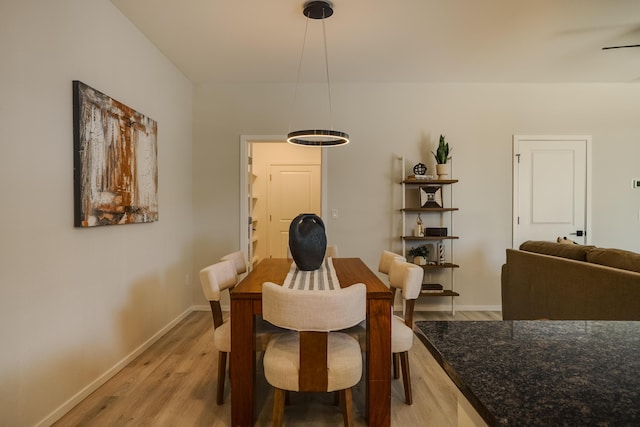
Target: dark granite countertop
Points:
(542, 373)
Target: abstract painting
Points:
(115, 161)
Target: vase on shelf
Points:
(443, 170)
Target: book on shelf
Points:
(432, 287)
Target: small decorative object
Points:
(307, 241)
(443, 169)
(431, 196)
(435, 231)
(115, 167)
(418, 231)
(419, 254)
(566, 241)
(420, 169)
(440, 253)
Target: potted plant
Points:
(419, 254)
(442, 155)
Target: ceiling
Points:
(251, 41)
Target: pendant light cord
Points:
(295, 91)
(326, 66)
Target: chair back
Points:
(407, 277)
(216, 278)
(311, 310)
(386, 258)
(239, 261)
(331, 252)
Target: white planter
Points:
(419, 260)
(443, 170)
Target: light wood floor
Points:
(173, 384)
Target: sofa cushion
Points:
(616, 258)
(577, 252)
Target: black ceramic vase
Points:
(307, 241)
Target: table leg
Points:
(379, 362)
(243, 363)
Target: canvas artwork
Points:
(431, 197)
(115, 161)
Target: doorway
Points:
(263, 200)
(551, 188)
(301, 180)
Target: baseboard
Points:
(478, 307)
(457, 307)
(205, 307)
(202, 308)
(110, 373)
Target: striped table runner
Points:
(322, 279)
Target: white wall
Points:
(76, 302)
(387, 120)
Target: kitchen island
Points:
(542, 373)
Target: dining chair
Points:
(313, 356)
(360, 330)
(384, 265)
(386, 258)
(215, 279)
(407, 278)
(239, 261)
(331, 252)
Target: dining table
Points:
(246, 304)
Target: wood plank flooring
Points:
(173, 383)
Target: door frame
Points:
(245, 140)
(515, 212)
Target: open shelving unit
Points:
(441, 217)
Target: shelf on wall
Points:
(429, 181)
(443, 293)
(437, 266)
(429, 209)
(414, 238)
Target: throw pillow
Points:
(565, 241)
(616, 258)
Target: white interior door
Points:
(551, 188)
(293, 189)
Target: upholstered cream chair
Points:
(331, 252)
(313, 357)
(214, 279)
(407, 278)
(384, 265)
(360, 331)
(386, 258)
(238, 260)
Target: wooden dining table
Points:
(246, 303)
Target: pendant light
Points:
(317, 137)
